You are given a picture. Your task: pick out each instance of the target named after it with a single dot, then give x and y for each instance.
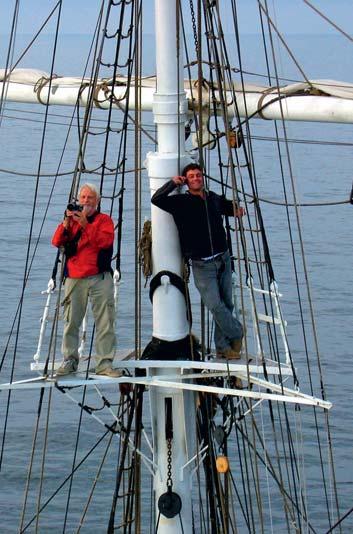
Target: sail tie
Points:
(261, 106)
(40, 84)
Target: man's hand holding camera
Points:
(76, 214)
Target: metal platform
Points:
(185, 375)
(272, 367)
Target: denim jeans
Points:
(213, 279)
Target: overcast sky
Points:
(79, 16)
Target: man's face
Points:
(88, 199)
(194, 180)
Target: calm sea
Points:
(323, 173)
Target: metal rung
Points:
(50, 318)
(270, 319)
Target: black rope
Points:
(67, 479)
(268, 465)
(28, 262)
(291, 239)
(314, 329)
(56, 7)
(328, 20)
(265, 245)
(9, 55)
(340, 521)
(212, 488)
(121, 160)
(220, 76)
(136, 401)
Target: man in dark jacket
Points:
(87, 237)
(198, 217)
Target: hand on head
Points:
(179, 180)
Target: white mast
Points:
(172, 444)
(169, 112)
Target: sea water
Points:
(323, 173)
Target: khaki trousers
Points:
(100, 290)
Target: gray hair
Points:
(93, 188)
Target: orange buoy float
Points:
(222, 464)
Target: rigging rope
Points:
(9, 56)
(145, 250)
(328, 20)
(68, 477)
(28, 262)
(315, 339)
(39, 507)
(250, 519)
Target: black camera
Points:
(73, 206)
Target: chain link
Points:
(193, 20)
(169, 464)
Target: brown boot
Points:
(236, 346)
(231, 354)
(238, 383)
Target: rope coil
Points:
(145, 250)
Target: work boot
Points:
(68, 366)
(231, 354)
(106, 369)
(238, 383)
(236, 347)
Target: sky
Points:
(79, 16)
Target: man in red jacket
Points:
(87, 237)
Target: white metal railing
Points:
(258, 318)
(44, 320)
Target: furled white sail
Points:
(316, 100)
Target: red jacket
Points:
(98, 235)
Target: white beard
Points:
(88, 210)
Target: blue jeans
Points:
(213, 279)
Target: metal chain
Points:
(193, 19)
(169, 464)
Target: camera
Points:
(73, 206)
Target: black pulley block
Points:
(169, 504)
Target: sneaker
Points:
(68, 366)
(109, 371)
